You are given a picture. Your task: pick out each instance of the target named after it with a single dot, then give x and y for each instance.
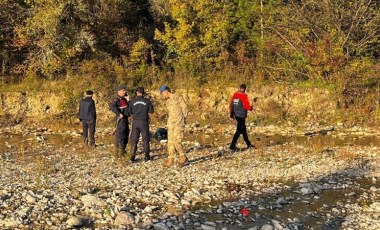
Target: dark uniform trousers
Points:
(89, 132)
(122, 134)
(240, 129)
(140, 126)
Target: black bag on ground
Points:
(161, 134)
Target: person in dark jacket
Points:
(87, 115)
(120, 107)
(239, 107)
(140, 108)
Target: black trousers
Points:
(140, 127)
(122, 134)
(89, 132)
(241, 128)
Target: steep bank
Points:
(278, 105)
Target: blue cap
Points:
(163, 88)
(121, 87)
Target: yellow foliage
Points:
(139, 51)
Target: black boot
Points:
(133, 151)
(147, 157)
(85, 142)
(122, 152)
(251, 146)
(233, 147)
(116, 152)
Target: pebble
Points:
(267, 227)
(161, 226)
(74, 221)
(125, 219)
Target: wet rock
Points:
(125, 219)
(161, 226)
(267, 227)
(227, 204)
(254, 228)
(280, 201)
(277, 225)
(208, 227)
(310, 188)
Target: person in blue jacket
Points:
(87, 115)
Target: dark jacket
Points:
(239, 105)
(120, 106)
(140, 108)
(87, 111)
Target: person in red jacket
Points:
(239, 107)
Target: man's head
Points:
(121, 90)
(140, 91)
(243, 88)
(165, 91)
(89, 93)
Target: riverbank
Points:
(58, 186)
(280, 105)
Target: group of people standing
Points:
(140, 107)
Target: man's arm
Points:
(183, 106)
(114, 108)
(130, 108)
(150, 107)
(245, 101)
(230, 106)
(80, 107)
(94, 109)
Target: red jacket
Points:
(239, 105)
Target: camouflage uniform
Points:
(177, 111)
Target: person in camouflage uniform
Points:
(177, 113)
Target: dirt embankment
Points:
(289, 106)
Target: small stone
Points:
(90, 200)
(227, 204)
(30, 199)
(161, 226)
(148, 209)
(8, 223)
(170, 195)
(124, 218)
(74, 221)
(207, 227)
(185, 202)
(267, 227)
(280, 201)
(277, 225)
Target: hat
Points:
(89, 92)
(121, 87)
(163, 88)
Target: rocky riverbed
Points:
(283, 184)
